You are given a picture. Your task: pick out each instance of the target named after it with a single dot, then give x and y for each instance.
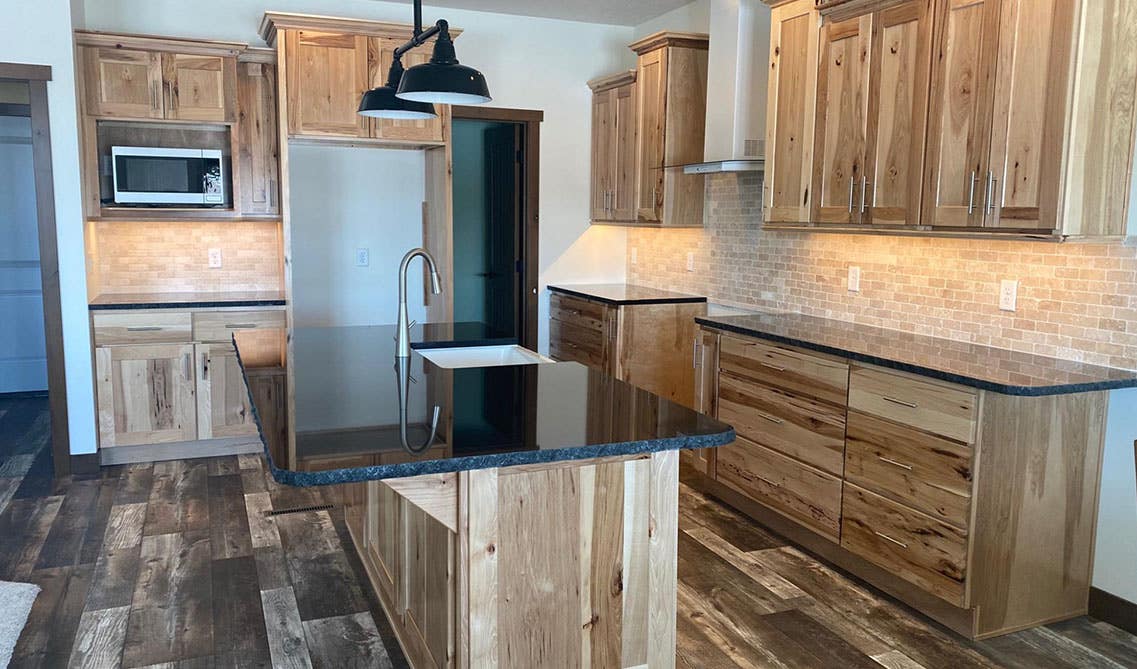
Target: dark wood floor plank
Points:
(39, 481)
(272, 569)
(715, 578)
(238, 619)
(116, 574)
(24, 527)
(253, 481)
(225, 465)
(345, 642)
(179, 499)
(135, 484)
(64, 543)
(100, 516)
(828, 647)
(694, 649)
(228, 521)
(171, 614)
(696, 508)
(325, 586)
(100, 638)
(50, 630)
(287, 644)
(308, 534)
(1116, 644)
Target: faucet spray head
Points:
(435, 283)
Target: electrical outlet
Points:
(690, 261)
(362, 257)
(214, 258)
(1008, 295)
(854, 279)
(635, 255)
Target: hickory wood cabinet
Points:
(929, 490)
(646, 345)
(1010, 96)
(165, 376)
(645, 129)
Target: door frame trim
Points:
(530, 120)
(36, 77)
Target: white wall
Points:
(40, 33)
(693, 17)
(530, 63)
(1115, 555)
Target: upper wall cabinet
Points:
(1028, 113)
(329, 63)
(614, 127)
(258, 137)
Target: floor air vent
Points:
(300, 509)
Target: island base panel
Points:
(566, 564)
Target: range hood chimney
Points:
(736, 88)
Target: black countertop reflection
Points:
(188, 300)
(347, 408)
(625, 293)
(985, 367)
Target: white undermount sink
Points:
(483, 356)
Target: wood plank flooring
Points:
(175, 564)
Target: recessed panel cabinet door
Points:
(327, 76)
(651, 83)
(223, 408)
(623, 176)
(258, 152)
(199, 88)
(840, 183)
(959, 114)
(602, 154)
(146, 394)
(1031, 92)
(381, 53)
(123, 83)
(791, 96)
(898, 112)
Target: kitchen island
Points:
(514, 515)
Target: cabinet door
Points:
(381, 53)
(651, 84)
(383, 540)
(199, 88)
(840, 183)
(706, 384)
(1036, 43)
(123, 83)
(791, 95)
(327, 76)
(428, 587)
(622, 202)
(222, 399)
(602, 154)
(146, 394)
(959, 112)
(898, 113)
(258, 164)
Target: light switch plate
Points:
(214, 258)
(1008, 295)
(690, 261)
(854, 279)
(362, 257)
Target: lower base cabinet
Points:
(146, 394)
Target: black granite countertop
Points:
(984, 367)
(187, 300)
(623, 293)
(347, 408)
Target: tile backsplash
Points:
(1075, 300)
(129, 256)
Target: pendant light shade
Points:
(383, 103)
(444, 80)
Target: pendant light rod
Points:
(420, 35)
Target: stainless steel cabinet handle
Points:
(894, 463)
(773, 419)
(149, 328)
(992, 184)
(971, 193)
(773, 366)
(910, 405)
(240, 326)
(864, 192)
(188, 365)
(888, 538)
(851, 189)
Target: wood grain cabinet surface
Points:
(614, 134)
(146, 394)
(257, 161)
(150, 84)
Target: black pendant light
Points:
(383, 103)
(444, 80)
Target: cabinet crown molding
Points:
(612, 81)
(197, 47)
(274, 21)
(666, 38)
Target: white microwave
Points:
(160, 176)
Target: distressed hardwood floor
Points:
(174, 564)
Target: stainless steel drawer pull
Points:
(910, 405)
(773, 419)
(773, 367)
(240, 326)
(767, 481)
(888, 538)
(894, 463)
(149, 328)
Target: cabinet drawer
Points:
(804, 494)
(142, 327)
(927, 406)
(568, 341)
(907, 543)
(811, 431)
(923, 471)
(220, 325)
(786, 368)
(581, 313)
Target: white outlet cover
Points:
(690, 261)
(854, 279)
(362, 257)
(215, 258)
(1008, 295)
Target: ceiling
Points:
(614, 12)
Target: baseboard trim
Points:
(180, 450)
(84, 464)
(1113, 610)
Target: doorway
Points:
(33, 396)
(495, 178)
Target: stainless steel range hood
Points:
(736, 88)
